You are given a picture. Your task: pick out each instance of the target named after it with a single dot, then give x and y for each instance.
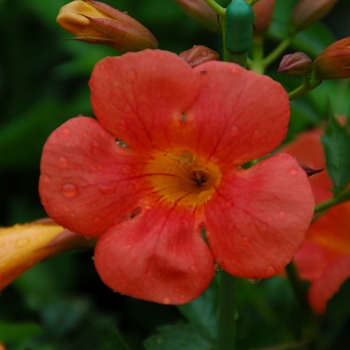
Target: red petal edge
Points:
(329, 283)
(259, 217)
(86, 181)
(157, 256)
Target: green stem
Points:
(257, 62)
(345, 196)
(298, 287)
(227, 312)
(278, 51)
(309, 84)
(216, 7)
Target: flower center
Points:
(182, 178)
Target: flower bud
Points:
(98, 23)
(199, 54)
(307, 12)
(22, 246)
(263, 13)
(334, 61)
(202, 13)
(296, 63)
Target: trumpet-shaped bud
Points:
(263, 13)
(334, 61)
(307, 12)
(296, 63)
(198, 55)
(202, 13)
(98, 23)
(22, 246)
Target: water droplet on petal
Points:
(126, 170)
(293, 171)
(230, 226)
(62, 162)
(69, 190)
(254, 280)
(282, 214)
(245, 241)
(65, 131)
(182, 297)
(234, 130)
(166, 301)
(230, 204)
(131, 75)
(66, 208)
(21, 242)
(46, 178)
(256, 134)
(263, 227)
(107, 189)
(97, 219)
(270, 270)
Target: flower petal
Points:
(239, 115)
(87, 182)
(140, 97)
(259, 217)
(307, 148)
(329, 283)
(159, 256)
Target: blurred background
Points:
(61, 304)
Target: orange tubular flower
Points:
(187, 132)
(98, 23)
(22, 246)
(324, 257)
(263, 11)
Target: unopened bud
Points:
(263, 13)
(308, 12)
(334, 61)
(202, 13)
(296, 63)
(198, 55)
(98, 23)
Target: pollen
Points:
(181, 177)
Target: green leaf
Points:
(14, 332)
(336, 144)
(202, 312)
(178, 337)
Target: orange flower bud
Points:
(98, 23)
(263, 12)
(199, 54)
(307, 12)
(334, 61)
(296, 63)
(22, 246)
(201, 12)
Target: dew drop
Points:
(126, 170)
(69, 190)
(293, 171)
(234, 130)
(230, 204)
(46, 178)
(282, 214)
(254, 280)
(66, 208)
(263, 227)
(65, 131)
(230, 226)
(192, 268)
(106, 189)
(97, 219)
(245, 241)
(216, 105)
(176, 290)
(94, 143)
(270, 270)
(166, 301)
(128, 110)
(256, 134)
(131, 75)
(21, 242)
(182, 297)
(62, 162)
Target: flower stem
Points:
(309, 84)
(345, 196)
(216, 7)
(278, 50)
(227, 312)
